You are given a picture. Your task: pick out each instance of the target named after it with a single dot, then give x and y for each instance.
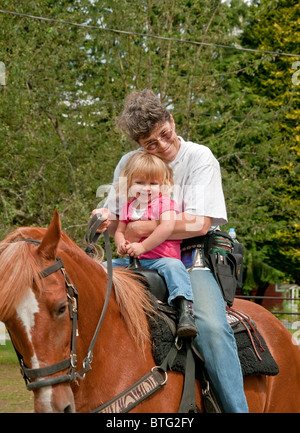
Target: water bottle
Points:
(232, 233)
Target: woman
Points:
(198, 192)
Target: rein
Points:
(72, 295)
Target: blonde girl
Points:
(148, 181)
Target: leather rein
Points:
(41, 374)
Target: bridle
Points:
(71, 362)
(42, 373)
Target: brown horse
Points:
(35, 311)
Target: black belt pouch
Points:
(224, 270)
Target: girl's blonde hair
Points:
(147, 166)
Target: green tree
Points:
(66, 84)
(51, 152)
(274, 26)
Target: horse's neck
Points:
(118, 362)
(91, 282)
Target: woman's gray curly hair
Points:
(142, 112)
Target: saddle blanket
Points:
(253, 352)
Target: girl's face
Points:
(144, 190)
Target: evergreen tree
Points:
(274, 26)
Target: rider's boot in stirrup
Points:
(186, 324)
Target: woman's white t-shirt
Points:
(198, 183)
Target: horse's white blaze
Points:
(26, 310)
(45, 394)
(45, 397)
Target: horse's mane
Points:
(19, 270)
(134, 305)
(131, 297)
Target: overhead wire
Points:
(146, 35)
(124, 32)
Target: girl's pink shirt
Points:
(153, 211)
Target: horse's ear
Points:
(50, 241)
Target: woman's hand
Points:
(105, 214)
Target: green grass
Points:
(14, 397)
(8, 354)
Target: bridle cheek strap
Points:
(72, 295)
(71, 362)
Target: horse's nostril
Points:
(68, 409)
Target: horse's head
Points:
(38, 304)
(35, 309)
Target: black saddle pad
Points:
(252, 364)
(253, 361)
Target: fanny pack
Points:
(221, 255)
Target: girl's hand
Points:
(121, 248)
(135, 249)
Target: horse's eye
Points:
(61, 310)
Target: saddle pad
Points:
(250, 363)
(163, 338)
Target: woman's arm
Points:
(186, 226)
(162, 232)
(140, 229)
(189, 226)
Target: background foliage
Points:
(65, 85)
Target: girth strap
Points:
(248, 326)
(188, 399)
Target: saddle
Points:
(154, 282)
(253, 352)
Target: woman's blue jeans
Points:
(216, 343)
(215, 340)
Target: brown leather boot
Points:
(186, 324)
